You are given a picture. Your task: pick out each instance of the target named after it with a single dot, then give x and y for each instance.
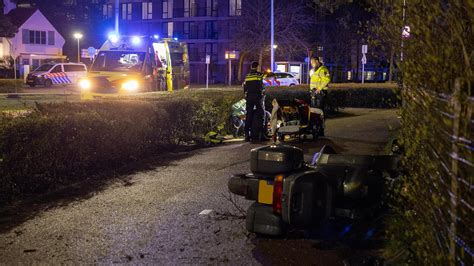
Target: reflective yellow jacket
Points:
(319, 79)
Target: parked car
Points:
(289, 192)
(280, 79)
(56, 73)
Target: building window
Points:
(35, 63)
(190, 30)
(232, 28)
(211, 49)
(193, 52)
(190, 8)
(147, 10)
(186, 30)
(167, 9)
(50, 37)
(167, 29)
(235, 7)
(34, 37)
(107, 11)
(211, 8)
(127, 11)
(211, 30)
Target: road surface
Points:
(176, 211)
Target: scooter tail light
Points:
(277, 194)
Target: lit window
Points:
(147, 10)
(190, 8)
(211, 8)
(235, 7)
(167, 9)
(167, 29)
(127, 11)
(109, 11)
(170, 29)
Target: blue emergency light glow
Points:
(136, 40)
(113, 38)
(175, 39)
(156, 36)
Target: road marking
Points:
(205, 212)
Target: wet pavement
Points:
(180, 211)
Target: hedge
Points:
(62, 143)
(9, 85)
(432, 217)
(343, 97)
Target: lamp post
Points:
(78, 36)
(272, 39)
(403, 19)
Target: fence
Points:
(437, 197)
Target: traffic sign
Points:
(232, 54)
(406, 32)
(364, 48)
(208, 59)
(91, 51)
(364, 59)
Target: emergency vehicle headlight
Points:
(136, 40)
(85, 84)
(113, 38)
(131, 85)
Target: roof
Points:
(19, 16)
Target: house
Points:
(35, 43)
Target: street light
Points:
(78, 36)
(272, 39)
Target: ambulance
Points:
(127, 65)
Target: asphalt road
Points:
(156, 215)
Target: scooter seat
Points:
(293, 129)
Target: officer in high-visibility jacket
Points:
(254, 93)
(318, 83)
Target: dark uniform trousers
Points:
(254, 110)
(254, 91)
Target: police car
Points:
(280, 79)
(56, 73)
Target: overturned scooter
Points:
(289, 192)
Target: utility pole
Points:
(403, 19)
(117, 13)
(272, 42)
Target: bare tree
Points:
(7, 28)
(252, 36)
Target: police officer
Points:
(318, 83)
(254, 92)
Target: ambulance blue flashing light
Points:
(156, 36)
(136, 40)
(175, 38)
(113, 38)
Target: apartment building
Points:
(205, 25)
